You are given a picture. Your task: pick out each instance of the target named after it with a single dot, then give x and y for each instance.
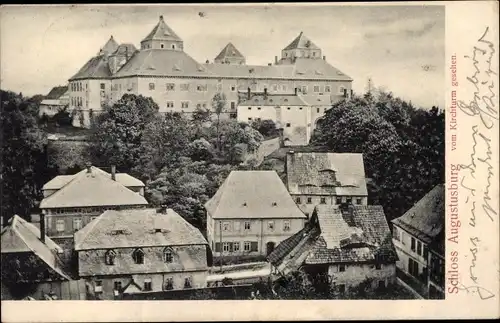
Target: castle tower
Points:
(162, 37)
(110, 47)
(300, 47)
(230, 55)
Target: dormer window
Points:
(109, 257)
(138, 256)
(167, 255)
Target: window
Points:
(348, 200)
(419, 248)
(413, 244)
(236, 246)
(249, 108)
(77, 224)
(201, 87)
(288, 108)
(381, 284)
(286, 225)
(413, 267)
(118, 285)
(358, 201)
(98, 286)
(259, 108)
(162, 46)
(185, 104)
(138, 256)
(327, 88)
(288, 125)
(304, 88)
(173, 46)
(103, 86)
(233, 105)
(425, 252)
(275, 87)
(249, 119)
(283, 88)
(170, 104)
(109, 257)
(341, 90)
(338, 200)
(169, 283)
(233, 88)
(225, 247)
(254, 246)
(307, 214)
(316, 88)
(60, 225)
(309, 200)
(167, 255)
(187, 282)
(297, 200)
(378, 266)
(219, 87)
(147, 284)
(341, 268)
(185, 87)
(317, 110)
(247, 225)
(323, 200)
(225, 226)
(270, 225)
(151, 86)
(170, 86)
(246, 246)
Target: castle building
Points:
(162, 70)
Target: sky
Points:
(400, 48)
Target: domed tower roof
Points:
(162, 32)
(110, 46)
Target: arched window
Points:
(173, 46)
(167, 255)
(109, 257)
(162, 46)
(138, 256)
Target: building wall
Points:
(259, 232)
(355, 274)
(402, 242)
(185, 258)
(308, 208)
(158, 282)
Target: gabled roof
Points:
(162, 32)
(253, 194)
(56, 92)
(274, 100)
(95, 188)
(110, 46)
(425, 220)
(357, 234)
(20, 236)
(138, 230)
(96, 67)
(162, 62)
(326, 173)
(229, 51)
(61, 180)
(301, 42)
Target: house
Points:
(162, 70)
(315, 178)
(419, 239)
(135, 251)
(71, 201)
(289, 112)
(31, 266)
(250, 214)
(57, 100)
(340, 247)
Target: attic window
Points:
(157, 230)
(275, 204)
(300, 72)
(200, 68)
(245, 204)
(177, 68)
(119, 231)
(286, 100)
(340, 73)
(318, 72)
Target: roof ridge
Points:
(90, 228)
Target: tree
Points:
(266, 127)
(218, 106)
(117, 133)
(23, 162)
(403, 147)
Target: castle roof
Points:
(301, 42)
(97, 68)
(229, 51)
(110, 46)
(56, 92)
(162, 32)
(274, 100)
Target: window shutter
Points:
(254, 246)
(217, 247)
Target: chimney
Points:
(324, 57)
(275, 60)
(161, 17)
(89, 167)
(295, 91)
(113, 172)
(42, 227)
(126, 53)
(248, 94)
(207, 61)
(162, 209)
